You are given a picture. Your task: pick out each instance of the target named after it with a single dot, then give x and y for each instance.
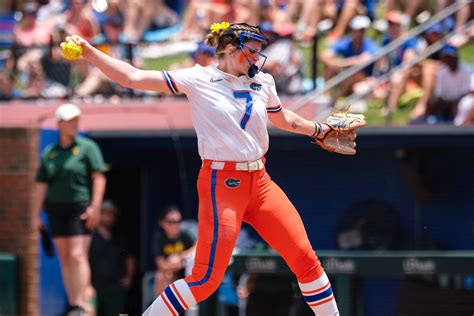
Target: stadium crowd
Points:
(351, 32)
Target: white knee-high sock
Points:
(174, 300)
(318, 295)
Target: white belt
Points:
(254, 165)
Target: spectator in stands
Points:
(6, 86)
(203, 55)
(452, 83)
(57, 72)
(284, 61)
(30, 38)
(248, 11)
(96, 81)
(429, 67)
(404, 53)
(113, 12)
(47, 13)
(346, 11)
(200, 14)
(308, 14)
(462, 17)
(465, 115)
(71, 182)
(140, 15)
(29, 32)
(6, 78)
(274, 13)
(80, 19)
(171, 248)
(112, 266)
(409, 8)
(349, 51)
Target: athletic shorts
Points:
(65, 219)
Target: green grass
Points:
(467, 53)
(400, 117)
(164, 62)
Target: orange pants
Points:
(228, 197)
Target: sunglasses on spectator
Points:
(172, 222)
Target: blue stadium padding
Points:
(385, 290)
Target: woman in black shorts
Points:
(71, 185)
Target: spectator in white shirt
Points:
(452, 83)
(465, 115)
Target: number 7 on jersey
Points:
(248, 107)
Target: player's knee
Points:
(308, 266)
(77, 257)
(210, 287)
(202, 290)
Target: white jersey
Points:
(229, 113)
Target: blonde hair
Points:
(230, 35)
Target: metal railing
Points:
(338, 79)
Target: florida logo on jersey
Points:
(255, 86)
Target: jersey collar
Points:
(229, 76)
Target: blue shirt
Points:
(396, 57)
(370, 6)
(344, 48)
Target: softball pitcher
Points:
(231, 103)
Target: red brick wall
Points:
(18, 162)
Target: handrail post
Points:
(314, 57)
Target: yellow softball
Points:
(71, 50)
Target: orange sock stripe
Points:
(165, 300)
(322, 302)
(179, 296)
(317, 290)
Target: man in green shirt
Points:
(71, 185)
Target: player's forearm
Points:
(290, 121)
(98, 189)
(117, 70)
